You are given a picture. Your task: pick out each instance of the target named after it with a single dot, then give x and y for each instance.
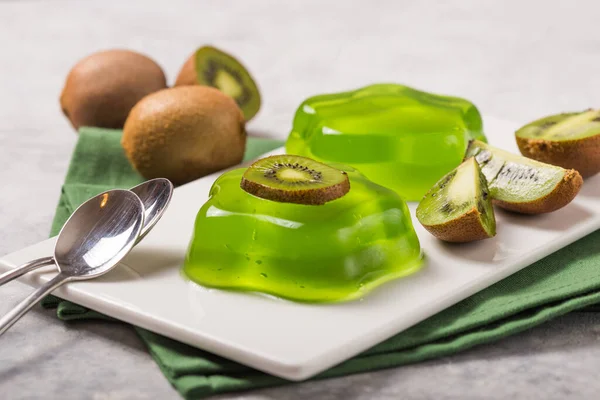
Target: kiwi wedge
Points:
(295, 179)
(458, 208)
(570, 140)
(524, 185)
(210, 66)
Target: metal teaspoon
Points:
(155, 195)
(92, 242)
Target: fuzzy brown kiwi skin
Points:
(564, 192)
(187, 75)
(184, 133)
(465, 228)
(582, 155)
(102, 88)
(310, 197)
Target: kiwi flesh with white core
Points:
(102, 88)
(458, 208)
(569, 140)
(523, 185)
(184, 133)
(210, 66)
(295, 179)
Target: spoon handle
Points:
(16, 313)
(23, 269)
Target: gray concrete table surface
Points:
(515, 59)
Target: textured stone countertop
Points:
(516, 60)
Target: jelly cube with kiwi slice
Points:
(336, 251)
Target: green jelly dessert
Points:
(350, 236)
(398, 137)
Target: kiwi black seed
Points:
(569, 140)
(295, 179)
(210, 66)
(458, 208)
(446, 208)
(523, 185)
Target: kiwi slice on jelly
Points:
(524, 185)
(570, 140)
(458, 208)
(295, 179)
(216, 68)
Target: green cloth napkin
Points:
(567, 280)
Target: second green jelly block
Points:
(397, 136)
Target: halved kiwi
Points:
(295, 179)
(570, 140)
(210, 66)
(458, 208)
(523, 185)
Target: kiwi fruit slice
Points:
(295, 179)
(570, 140)
(184, 133)
(524, 185)
(458, 208)
(102, 88)
(210, 66)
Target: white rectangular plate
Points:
(296, 341)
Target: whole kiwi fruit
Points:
(184, 133)
(102, 88)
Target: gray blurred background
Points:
(516, 60)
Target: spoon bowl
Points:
(102, 230)
(155, 195)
